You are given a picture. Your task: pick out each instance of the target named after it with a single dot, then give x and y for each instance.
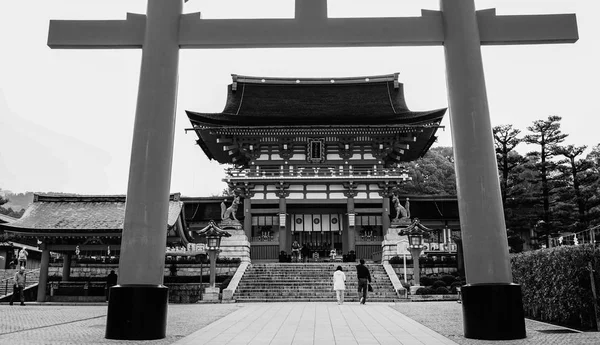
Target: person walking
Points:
(339, 284)
(19, 286)
(364, 278)
(111, 280)
(295, 251)
(23, 257)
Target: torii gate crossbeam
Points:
(492, 306)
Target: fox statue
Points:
(227, 212)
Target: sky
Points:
(66, 116)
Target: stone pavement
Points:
(446, 319)
(315, 323)
(271, 323)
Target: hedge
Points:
(556, 283)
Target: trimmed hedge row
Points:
(556, 283)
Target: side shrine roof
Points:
(7, 219)
(80, 214)
(261, 101)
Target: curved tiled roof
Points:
(71, 213)
(7, 219)
(375, 100)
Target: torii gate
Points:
(492, 307)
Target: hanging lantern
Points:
(282, 219)
(351, 219)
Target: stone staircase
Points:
(7, 281)
(309, 282)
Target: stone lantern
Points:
(416, 232)
(213, 243)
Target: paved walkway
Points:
(315, 324)
(272, 323)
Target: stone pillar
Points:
(212, 256)
(492, 305)
(141, 268)
(248, 218)
(66, 269)
(283, 230)
(41, 293)
(211, 293)
(385, 215)
(351, 235)
(415, 253)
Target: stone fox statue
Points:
(226, 212)
(400, 210)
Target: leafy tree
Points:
(432, 174)
(547, 135)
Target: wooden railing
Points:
(264, 252)
(365, 251)
(290, 171)
(262, 239)
(376, 256)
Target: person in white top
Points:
(339, 284)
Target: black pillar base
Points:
(493, 311)
(137, 312)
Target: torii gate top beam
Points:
(313, 31)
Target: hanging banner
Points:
(298, 222)
(336, 222)
(316, 221)
(325, 222)
(308, 222)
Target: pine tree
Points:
(546, 134)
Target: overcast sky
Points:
(66, 116)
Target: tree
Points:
(573, 172)
(432, 174)
(3, 200)
(546, 134)
(506, 139)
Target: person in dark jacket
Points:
(364, 278)
(111, 280)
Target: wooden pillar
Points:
(283, 230)
(385, 215)
(41, 293)
(141, 267)
(248, 218)
(66, 269)
(350, 234)
(492, 306)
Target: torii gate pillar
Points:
(137, 308)
(492, 304)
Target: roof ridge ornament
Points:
(234, 84)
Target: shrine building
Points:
(316, 159)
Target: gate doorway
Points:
(318, 234)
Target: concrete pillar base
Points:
(493, 311)
(414, 288)
(137, 312)
(211, 294)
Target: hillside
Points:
(17, 201)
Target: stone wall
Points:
(102, 270)
(185, 293)
(399, 269)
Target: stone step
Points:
(308, 282)
(312, 299)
